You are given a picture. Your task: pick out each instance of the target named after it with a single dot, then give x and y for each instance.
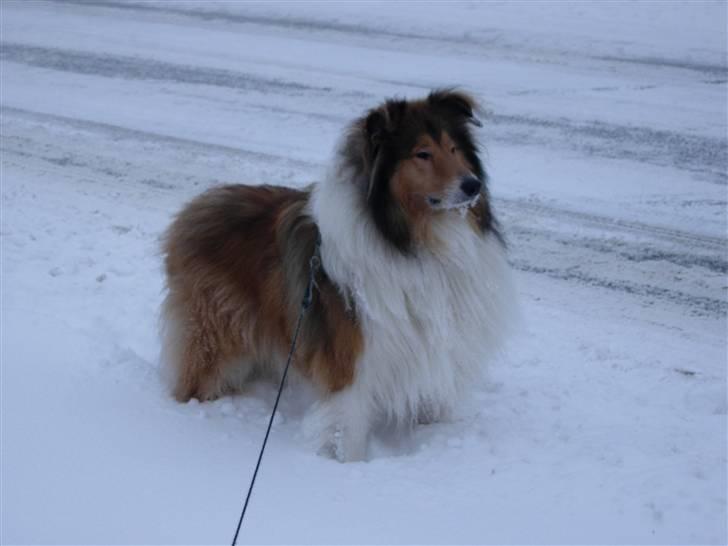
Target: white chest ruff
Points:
(430, 321)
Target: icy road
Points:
(604, 422)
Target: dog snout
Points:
(470, 186)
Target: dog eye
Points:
(423, 155)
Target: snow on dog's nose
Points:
(465, 193)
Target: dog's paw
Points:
(342, 445)
(335, 440)
(330, 445)
(336, 431)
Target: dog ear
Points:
(456, 104)
(379, 126)
(375, 125)
(375, 135)
(383, 121)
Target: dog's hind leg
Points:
(200, 361)
(197, 368)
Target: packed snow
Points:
(604, 421)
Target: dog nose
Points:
(470, 186)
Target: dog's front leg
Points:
(340, 425)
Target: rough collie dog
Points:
(411, 297)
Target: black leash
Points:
(314, 265)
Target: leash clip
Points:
(314, 264)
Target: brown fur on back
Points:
(237, 264)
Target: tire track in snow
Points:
(486, 39)
(701, 305)
(115, 132)
(637, 251)
(693, 153)
(669, 265)
(617, 225)
(651, 269)
(135, 68)
(714, 70)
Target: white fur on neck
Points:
(430, 321)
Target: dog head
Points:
(419, 162)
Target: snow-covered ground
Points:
(605, 422)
